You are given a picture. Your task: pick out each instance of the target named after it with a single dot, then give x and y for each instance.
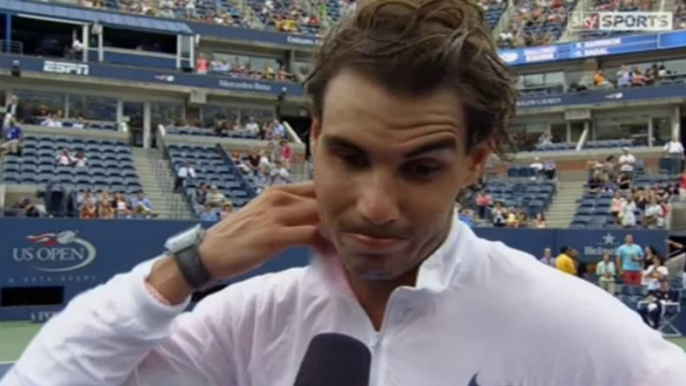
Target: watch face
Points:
(182, 240)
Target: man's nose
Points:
(378, 202)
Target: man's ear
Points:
(478, 157)
(315, 131)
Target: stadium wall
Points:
(64, 257)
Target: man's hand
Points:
(279, 218)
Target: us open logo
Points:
(56, 252)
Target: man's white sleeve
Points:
(118, 334)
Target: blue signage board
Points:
(593, 48)
(289, 89)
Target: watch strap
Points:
(192, 268)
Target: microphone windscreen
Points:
(335, 360)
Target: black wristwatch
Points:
(183, 247)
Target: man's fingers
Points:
(299, 235)
(301, 212)
(303, 189)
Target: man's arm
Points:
(118, 334)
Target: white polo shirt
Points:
(674, 147)
(482, 314)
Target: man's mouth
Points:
(369, 242)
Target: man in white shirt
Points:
(64, 158)
(626, 161)
(279, 174)
(252, 127)
(436, 305)
(185, 171)
(674, 148)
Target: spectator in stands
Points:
(537, 166)
(141, 205)
(499, 215)
(616, 206)
(623, 77)
(465, 216)
(682, 184)
(484, 201)
(550, 169)
(653, 215)
(252, 127)
(512, 219)
(25, 208)
(624, 183)
(121, 206)
(184, 172)
(564, 261)
(539, 221)
(13, 110)
(548, 258)
(201, 194)
(286, 153)
(85, 198)
(546, 139)
(215, 198)
(227, 209)
(606, 272)
(14, 136)
(80, 160)
(522, 219)
(105, 210)
(629, 261)
(201, 63)
(51, 121)
(76, 52)
(209, 214)
(655, 273)
(610, 166)
(600, 81)
(651, 311)
(279, 130)
(674, 148)
(279, 175)
(64, 158)
(627, 217)
(637, 78)
(79, 124)
(88, 211)
(254, 160)
(626, 161)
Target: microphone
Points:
(335, 360)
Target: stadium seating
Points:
(535, 196)
(212, 168)
(110, 164)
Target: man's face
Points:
(629, 239)
(387, 173)
(546, 252)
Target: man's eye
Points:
(421, 169)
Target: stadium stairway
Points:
(156, 178)
(564, 204)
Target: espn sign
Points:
(621, 21)
(65, 68)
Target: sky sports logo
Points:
(621, 21)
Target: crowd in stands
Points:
(631, 199)
(235, 69)
(631, 77)
(107, 206)
(536, 23)
(641, 271)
